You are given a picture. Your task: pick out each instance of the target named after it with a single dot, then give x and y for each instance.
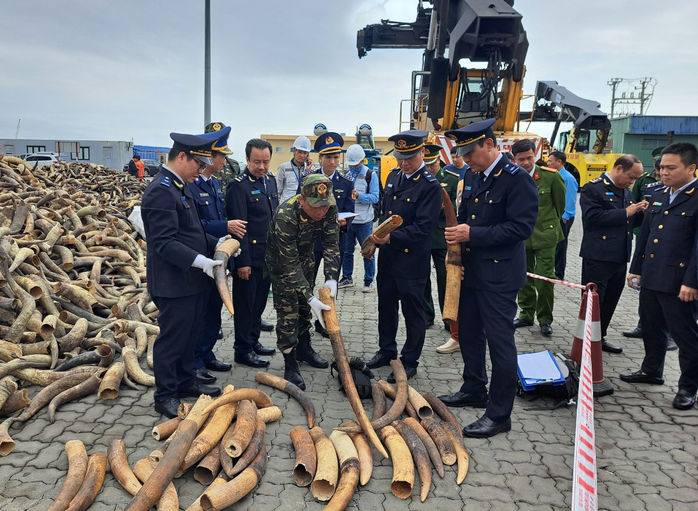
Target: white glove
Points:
(332, 286)
(205, 264)
(317, 307)
(239, 251)
(221, 240)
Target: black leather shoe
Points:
(610, 348)
(321, 330)
(460, 399)
(684, 400)
(308, 355)
(410, 371)
(220, 333)
(671, 345)
(378, 360)
(519, 322)
(204, 376)
(217, 365)
(168, 407)
(267, 327)
(250, 359)
(292, 372)
(634, 334)
(263, 350)
(199, 388)
(546, 329)
(485, 427)
(640, 377)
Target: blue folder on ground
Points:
(538, 368)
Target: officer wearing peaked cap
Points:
(497, 213)
(413, 193)
(252, 197)
(329, 146)
(211, 207)
(289, 261)
(180, 270)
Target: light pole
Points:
(207, 63)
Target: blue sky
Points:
(133, 70)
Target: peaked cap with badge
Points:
(317, 190)
(219, 139)
(466, 137)
(408, 143)
(329, 143)
(197, 146)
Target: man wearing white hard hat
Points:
(290, 173)
(365, 195)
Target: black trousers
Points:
(438, 255)
(394, 292)
(561, 250)
(489, 318)
(180, 322)
(661, 312)
(610, 280)
(249, 300)
(208, 335)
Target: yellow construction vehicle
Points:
(488, 36)
(585, 144)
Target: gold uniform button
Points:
(656, 240)
(390, 212)
(496, 261)
(666, 212)
(473, 217)
(407, 250)
(660, 227)
(551, 226)
(254, 241)
(603, 238)
(651, 256)
(682, 265)
(683, 213)
(477, 200)
(394, 197)
(408, 200)
(490, 201)
(467, 250)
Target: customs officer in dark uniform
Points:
(497, 213)
(609, 214)
(664, 266)
(252, 197)
(329, 147)
(180, 270)
(412, 192)
(209, 203)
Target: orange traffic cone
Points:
(601, 386)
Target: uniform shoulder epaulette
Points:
(452, 173)
(644, 174)
(549, 169)
(655, 184)
(165, 181)
(429, 176)
(346, 179)
(511, 168)
(241, 178)
(595, 180)
(394, 169)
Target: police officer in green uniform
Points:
(537, 296)
(449, 182)
(290, 263)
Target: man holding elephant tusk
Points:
(180, 270)
(289, 261)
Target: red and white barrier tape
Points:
(584, 492)
(584, 496)
(555, 281)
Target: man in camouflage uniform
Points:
(289, 260)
